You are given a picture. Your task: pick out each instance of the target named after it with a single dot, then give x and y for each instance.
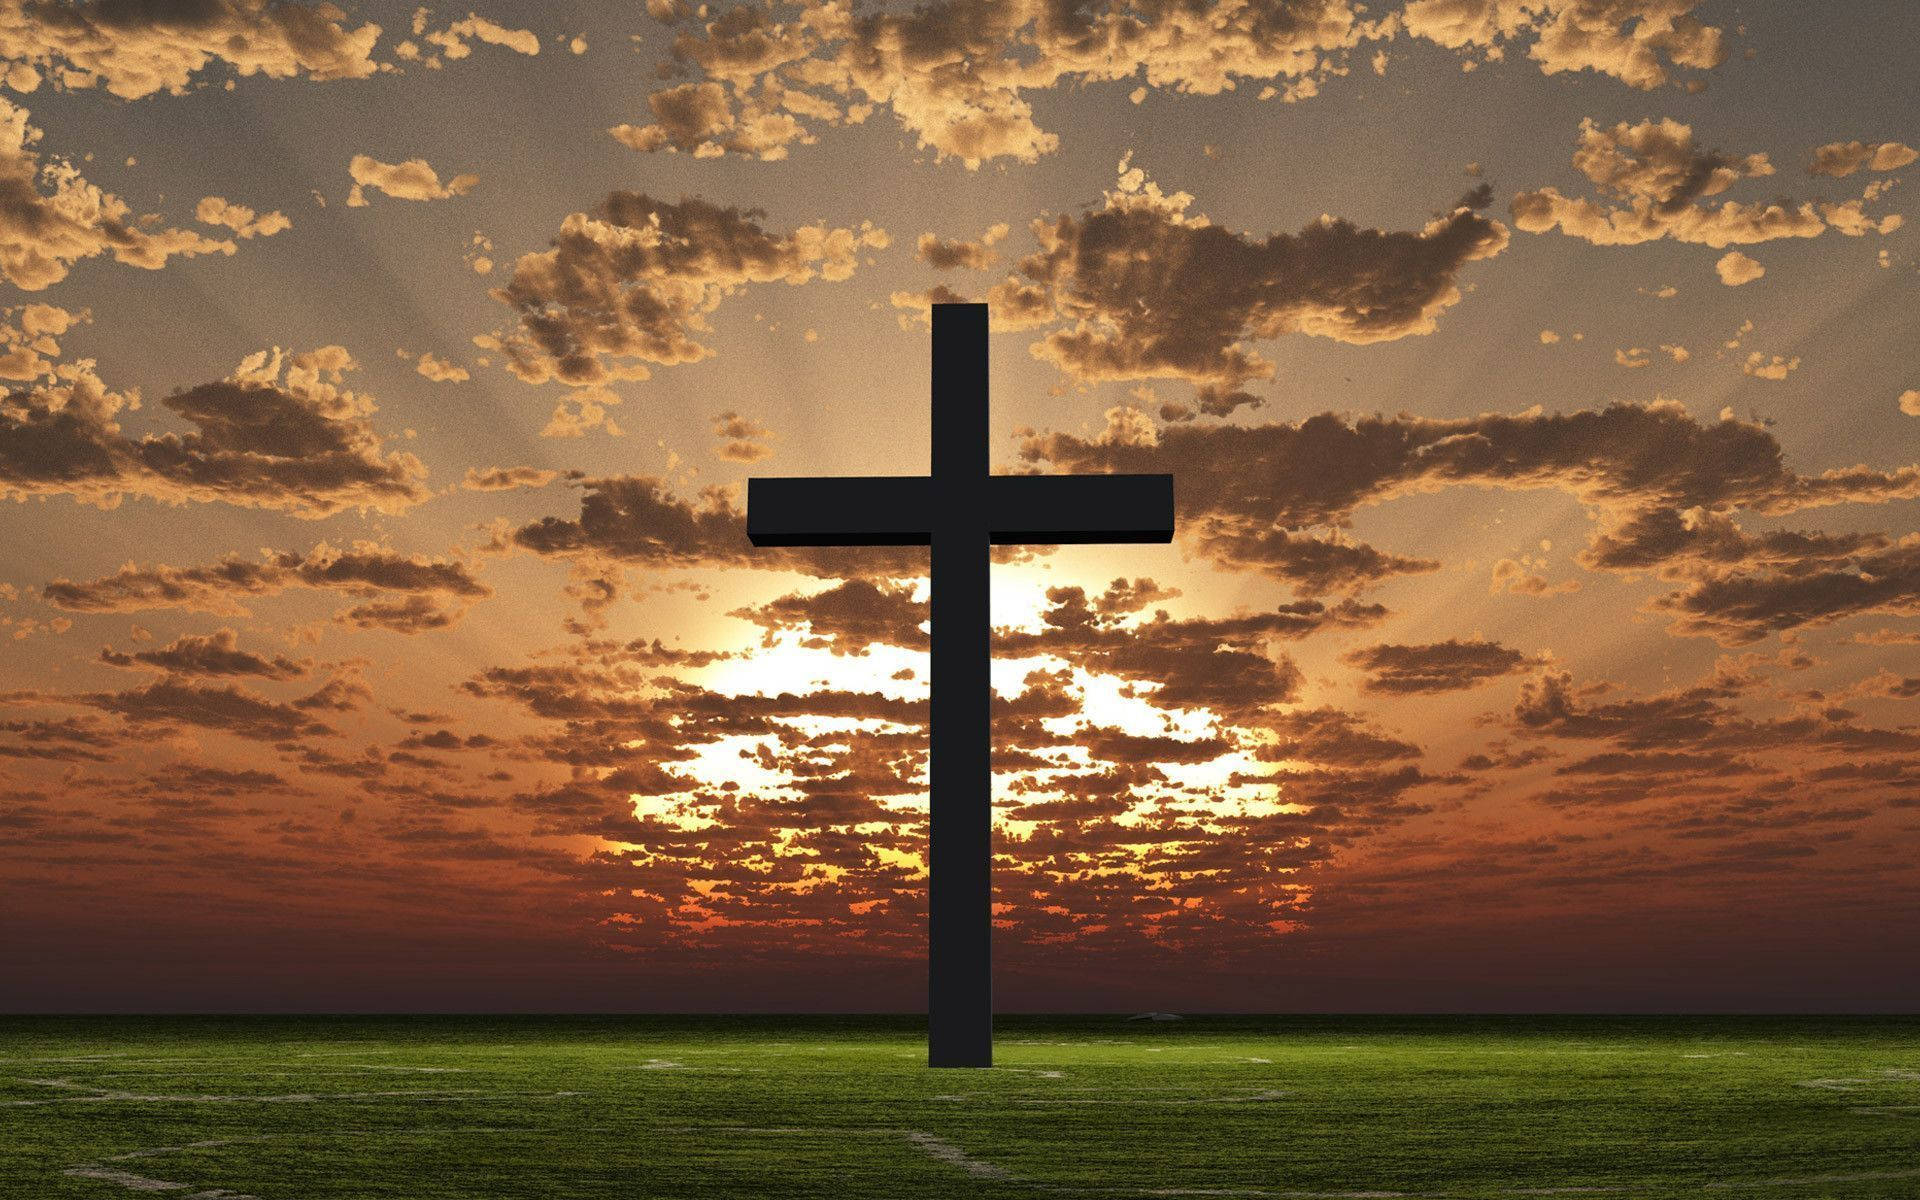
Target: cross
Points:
(959, 511)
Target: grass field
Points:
(556, 1108)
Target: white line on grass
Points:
(134, 1182)
(953, 1155)
(1804, 1180)
(140, 1183)
(933, 1145)
(1910, 1111)
(98, 1095)
(1258, 1097)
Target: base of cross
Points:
(961, 511)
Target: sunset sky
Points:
(1538, 377)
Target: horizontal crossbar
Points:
(899, 510)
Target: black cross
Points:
(959, 510)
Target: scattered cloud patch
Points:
(634, 283)
(1735, 268)
(413, 179)
(1654, 182)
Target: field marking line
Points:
(344, 1068)
(1262, 1096)
(133, 1182)
(1262, 1193)
(668, 1064)
(1804, 1180)
(292, 1074)
(1855, 1083)
(101, 1095)
(140, 1183)
(952, 1155)
(1719, 1054)
(932, 1144)
(1064, 1096)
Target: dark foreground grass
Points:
(559, 1108)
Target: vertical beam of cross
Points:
(960, 741)
(960, 511)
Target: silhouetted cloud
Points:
(1438, 667)
(505, 479)
(365, 570)
(280, 433)
(217, 653)
(848, 617)
(944, 255)
(639, 521)
(228, 709)
(1658, 479)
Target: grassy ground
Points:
(326, 1108)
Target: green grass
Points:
(559, 1108)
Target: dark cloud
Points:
(640, 521)
(1824, 586)
(504, 479)
(1223, 664)
(228, 709)
(1331, 737)
(366, 570)
(944, 255)
(1551, 704)
(1312, 564)
(1662, 483)
(409, 614)
(1148, 290)
(1447, 666)
(216, 654)
(644, 652)
(849, 617)
(634, 282)
(301, 444)
(66, 739)
(336, 695)
(1668, 538)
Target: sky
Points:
(378, 629)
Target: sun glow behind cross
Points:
(1193, 794)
